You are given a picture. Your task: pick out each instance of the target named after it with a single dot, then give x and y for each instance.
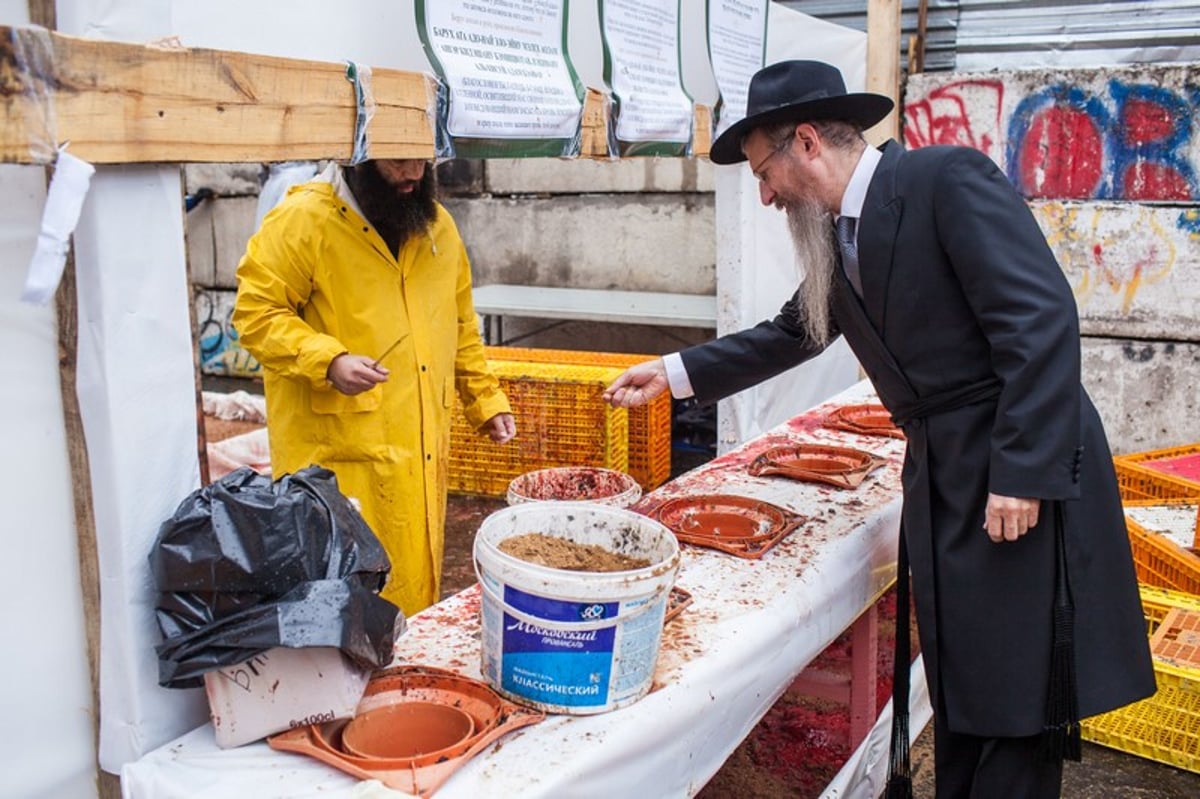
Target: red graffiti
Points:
(944, 116)
(1061, 155)
(1145, 122)
(1150, 181)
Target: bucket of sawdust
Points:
(571, 637)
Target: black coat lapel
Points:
(877, 229)
(890, 383)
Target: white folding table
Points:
(753, 626)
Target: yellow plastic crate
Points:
(562, 420)
(1165, 727)
(1161, 562)
(1140, 480)
(649, 424)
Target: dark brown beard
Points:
(396, 216)
(812, 236)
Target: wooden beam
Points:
(702, 130)
(883, 63)
(125, 103)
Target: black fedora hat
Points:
(797, 91)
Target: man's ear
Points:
(808, 139)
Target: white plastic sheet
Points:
(137, 395)
(756, 265)
(64, 200)
(45, 690)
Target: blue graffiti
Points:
(1169, 151)
(1126, 154)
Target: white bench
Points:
(493, 302)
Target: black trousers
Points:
(969, 767)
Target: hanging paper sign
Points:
(652, 113)
(508, 87)
(737, 44)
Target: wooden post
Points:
(883, 63)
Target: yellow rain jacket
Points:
(317, 281)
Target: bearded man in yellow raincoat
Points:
(355, 296)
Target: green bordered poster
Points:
(652, 114)
(737, 47)
(508, 89)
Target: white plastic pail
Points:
(568, 641)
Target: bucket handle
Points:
(549, 624)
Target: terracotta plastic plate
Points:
(734, 524)
(871, 420)
(839, 466)
(414, 726)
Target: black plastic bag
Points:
(247, 564)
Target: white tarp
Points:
(45, 688)
(756, 265)
(46, 691)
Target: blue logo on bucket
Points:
(557, 665)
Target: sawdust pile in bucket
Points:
(559, 553)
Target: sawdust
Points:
(559, 553)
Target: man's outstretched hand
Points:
(637, 385)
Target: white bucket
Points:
(567, 641)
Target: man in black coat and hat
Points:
(935, 271)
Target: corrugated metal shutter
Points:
(980, 35)
(1007, 34)
(940, 20)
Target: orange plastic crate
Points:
(561, 421)
(1165, 727)
(1161, 562)
(1141, 474)
(649, 424)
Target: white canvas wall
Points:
(756, 267)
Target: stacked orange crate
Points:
(649, 425)
(1172, 473)
(1161, 562)
(562, 420)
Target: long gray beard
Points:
(812, 237)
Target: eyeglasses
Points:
(758, 171)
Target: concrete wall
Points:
(1111, 161)
(638, 224)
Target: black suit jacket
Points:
(960, 287)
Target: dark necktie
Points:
(845, 235)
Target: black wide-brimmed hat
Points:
(797, 91)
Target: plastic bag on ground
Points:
(246, 564)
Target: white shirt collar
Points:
(860, 180)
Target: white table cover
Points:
(752, 627)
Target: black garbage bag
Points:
(247, 564)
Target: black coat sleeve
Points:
(732, 363)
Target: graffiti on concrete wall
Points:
(1102, 138)
(1108, 253)
(965, 112)
(220, 352)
